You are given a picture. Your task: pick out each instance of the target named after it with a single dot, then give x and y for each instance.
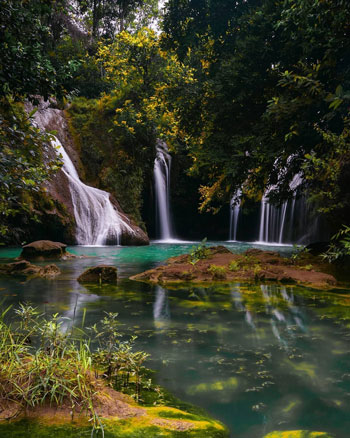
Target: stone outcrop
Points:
(102, 274)
(23, 268)
(45, 250)
(220, 264)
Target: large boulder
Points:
(23, 268)
(99, 274)
(43, 250)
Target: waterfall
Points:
(235, 208)
(162, 165)
(97, 219)
(273, 219)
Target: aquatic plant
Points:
(199, 252)
(298, 252)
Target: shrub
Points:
(199, 252)
(218, 272)
(234, 266)
(62, 368)
(339, 247)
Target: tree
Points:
(26, 68)
(107, 17)
(118, 132)
(22, 165)
(271, 81)
(146, 81)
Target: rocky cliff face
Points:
(61, 208)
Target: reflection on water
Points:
(161, 311)
(259, 358)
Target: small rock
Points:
(27, 269)
(220, 249)
(43, 249)
(50, 271)
(99, 274)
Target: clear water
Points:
(257, 357)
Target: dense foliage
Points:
(248, 94)
(270, 97)
(48, 49)
(22, 167)
(117, 133)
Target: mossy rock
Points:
(23, 268)
(298, 434)
(43, 250)
(158, 422)
(100, 274)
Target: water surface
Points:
(257, 357)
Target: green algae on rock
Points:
(23, 268)
(298, 434)
(120, 429)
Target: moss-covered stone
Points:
(122, 429)
(151, 422)
(23, 268)
(99, 274)
(298, 434)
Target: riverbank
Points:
(50, 376)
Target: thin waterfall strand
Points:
(235, 208)
(273, 219)
(162, 166)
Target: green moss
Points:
(218, 272)
(298, 434)
(22, 429)
(166, 413)
(304, 369)
(123, 429)
(218, 386)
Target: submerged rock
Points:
(27, 269)
(298, 434)
(44, 249)
(99, 274)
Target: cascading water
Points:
(97, 220)
(162, 165)
(273, 219)
(235, 208)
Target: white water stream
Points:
(235, 208)
(273, 219)
(162, 165)
(97, 219)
